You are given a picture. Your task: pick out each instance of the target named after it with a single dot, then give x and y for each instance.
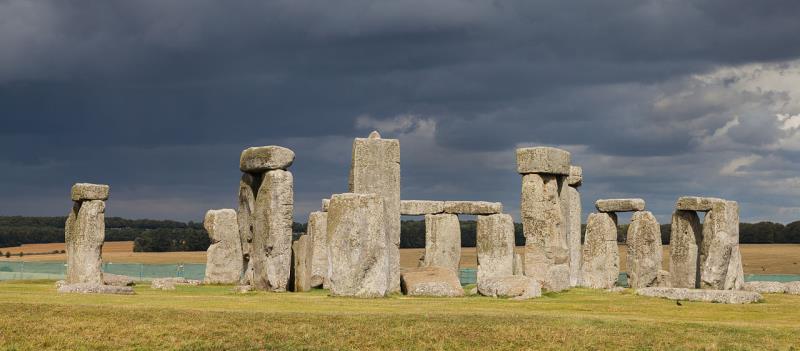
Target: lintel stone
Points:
(696, 203)
(264, 158)
(420, 207)
(543, 159)
(473, 207)
(619, 205)
(87, 191)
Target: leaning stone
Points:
(260, 159)
(271, 256)
(317, 228)
(600, 256)
(472, 207)
(619, 205)
(442, 241)
(420, 207)
(718, 296)
(302, 252)
(545, 160)
(516, 286)
(495, 246)
(375, 169)
(224, 255)
(720, 247)
(793, 287)
(245, 215)
(684, 246)
(571, 207)
(734, 277)
(431, 281)
(765, 287)
(644, 250)
(84, 234)
(87, 191)
(696, 203)
(89, 288)
(117, 280)
(358, 246)
(325, 204)
(546, 251)
(575, 177)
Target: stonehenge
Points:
(302, 251)
(442, 241)
(573, 214)
(495, 246)
(317, 228)
(644, 250)
(224, 256)
(84, 233)
(600, 256)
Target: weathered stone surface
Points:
(375, 169)
(545, 160)
(519, 264)
(271, 256)
(87, 191)
(718, 296)
(575, 177)
(495, 246)
(765, 287)
(644, 250)
(472, 207)
(91, 288)
(685, 238)
(84, 233)
(720, 248)
(302, 251)
(325, 204)
(664, 279)
(546, 251)
(317, 228)
(619, 205)
(117, 280)
(358, 246)
(696, 203)
(442, 241)
(571, 207)
(792, 287)
(600, 257)
(170, 283)
(241, 289)
(431, 281)
(224, 255)
(245, 215)
(260, 159)
(516, 286)
(420, 207)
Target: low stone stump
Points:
(170, 283)
(515, 286)
(117, 280)
(703, 295)
(765, 287)
(89, 288)
(431, 281)
(619, 205)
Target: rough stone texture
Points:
(516, 286)
(375, 169)
(84, 233)
(358, 246)
(696, 203)
(442, 241)
(224, 255)
(117, 280)
(685, 239)
(664, 279)
(325, 204)
(90, 288)
(545, 160)
(248, 187)
(420, 207)
(546, 251)
(271, 256)
(241, 289)
(575, 177)
(317, 228)
(495, 246)
(619, 205)
(792, 287)
(260, 159)
(600, 257)
(519, 264)
(87, 191)
(765, 287)
(718, 296)
(431, 281)
(170, 283)
(571, 207)
(720, 260)
(644, 250)
(472, 207)
(302, 251)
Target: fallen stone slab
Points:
(718, 296)
(170, 283)
(516, 286)
(420, 207)
(619, 205)
(89, 288)
(765, 287)
(792, 287)
(88, 191)
(575, 177)
(431, 281)
(696, 203)
(547, 160)
(473, 207)
(117, 280)
(260, 159)
(243, 289)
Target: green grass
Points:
(212, 317)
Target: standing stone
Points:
(246, 219)
(546, 252)
(358, 246)
(495, 246)
(571, 207)
(317, 229)
(224, 256)
(303, 256)
(720, 260)
(600, 258)
(684, 246)
(442, 241)
(375, 169)
(644, 250)
(84, 233)
(272, 236)
(519, 264)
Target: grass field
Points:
(212, 317)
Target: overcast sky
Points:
(655, 99)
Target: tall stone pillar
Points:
(317, 229)
(684, 248)
(571, 206)
(644, 250)
(495, 246)
(244, 215)
(442, 241)
(600, 257)
(720, 260)
(84, 234)
(224, 256)
(375, 169)
(303, 256)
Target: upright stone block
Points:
(303, 258)
(375, 169)
(442, 241)
(224, 256)
(720, 247)
(600, 258)
(84, 233)
(571, 207)
(644, 250)
(246, 217)
(318, 231)
(271, 257)
(358, 246)
(686, 237)
(543, 160)
(546, 251)
(495, 246)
